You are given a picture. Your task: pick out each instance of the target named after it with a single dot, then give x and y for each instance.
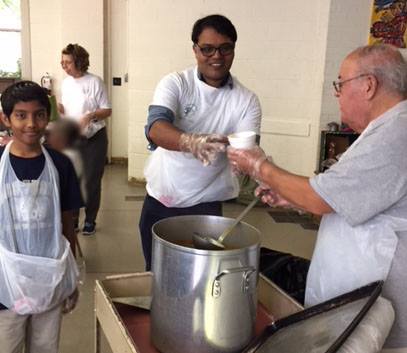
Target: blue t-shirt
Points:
(31, 168)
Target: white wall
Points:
(349, 23)
(282, 60)
(288, 52)
(280, 55)
(45, 30)
(54, 24)
(118, 68)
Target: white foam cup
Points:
(243, 139)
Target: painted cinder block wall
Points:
(56, 23)
(288, 52)
(349, 23)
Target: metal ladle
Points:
(208, 243)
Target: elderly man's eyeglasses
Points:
(338, 84)
(209, 50)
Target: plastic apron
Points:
(37, 268)
(178, 179)
(347, 257)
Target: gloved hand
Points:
(204, 147)
(271, 197)
(247, 161)
(70, 302)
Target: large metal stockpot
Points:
(204, 301)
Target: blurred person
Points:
(4, 132)
(63, 135)
(5, 138)
(84, 100)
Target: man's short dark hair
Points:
(24, 91)
(80, 56)
(219, 23)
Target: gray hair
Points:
(386, 63)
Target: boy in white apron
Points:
(38, 191)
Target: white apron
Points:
(178, 179)
(37, 268)
(346, 257)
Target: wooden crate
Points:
(109, 320)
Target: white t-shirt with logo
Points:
(178, 179)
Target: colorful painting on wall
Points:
(389, 22)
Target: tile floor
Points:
(116, 248)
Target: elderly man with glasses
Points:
(363, 197)
(191, 113)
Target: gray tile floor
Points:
(116, 248)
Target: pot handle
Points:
(247, 272)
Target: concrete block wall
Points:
(287, 52)
(349, 23)
(288, 78)
(117, 44)
(54, 24)
(45, 20)
(280, 55)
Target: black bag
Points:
(287, 271)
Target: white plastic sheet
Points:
(346, 257)
(37, 268)
(178, 179)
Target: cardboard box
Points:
(115, 323)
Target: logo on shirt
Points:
(189, 109)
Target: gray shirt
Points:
(371, 179)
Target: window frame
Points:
(26, 70)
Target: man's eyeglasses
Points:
(338, 84)
(224, 49)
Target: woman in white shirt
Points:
(84, 100)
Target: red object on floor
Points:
(137, 323)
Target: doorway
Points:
(117, 67)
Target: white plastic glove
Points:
(270, 197)
(204, 147)
(85, 120)
(247, 161)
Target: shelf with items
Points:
(333, 144)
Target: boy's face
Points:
(28, 121)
